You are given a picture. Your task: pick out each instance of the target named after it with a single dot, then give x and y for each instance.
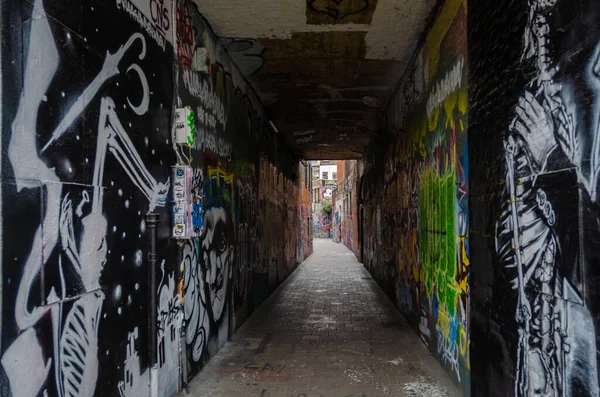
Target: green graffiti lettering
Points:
(191, 138)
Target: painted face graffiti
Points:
(208, 265)
(217, 250)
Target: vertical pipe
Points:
(2, 7)
(152, 220)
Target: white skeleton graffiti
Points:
(556, 346)
(75, 339)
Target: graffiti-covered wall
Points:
(348, 188)
(414, 191)
(534, 91)
(89, 91)
(86, 110)
(305, 247)
(252, 202)
(336, 217)
(321, 222)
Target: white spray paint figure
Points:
(556, 354)
(196, 313)
(76, 339)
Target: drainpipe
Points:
(152, 221)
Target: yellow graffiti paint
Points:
(221, 176)
(443, 321)
(432, 121)
(463, 343)
(449, 105)
(438, 32)
(464, 265)
(463, 101)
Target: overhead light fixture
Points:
(273, 128)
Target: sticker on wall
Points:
(182, 209)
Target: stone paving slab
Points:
(328, 331)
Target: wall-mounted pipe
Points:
(152, 221)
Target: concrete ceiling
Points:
(323, 68)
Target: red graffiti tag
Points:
(186, 36)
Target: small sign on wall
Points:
(182, 206)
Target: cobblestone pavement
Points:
(328, 331)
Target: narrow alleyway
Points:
(328, 331)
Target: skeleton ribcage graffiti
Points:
(552, 323)
(72, 235)
(79, 347)
(527, 249)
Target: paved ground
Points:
(328, 331)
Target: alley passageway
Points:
(328, 331)
(167, 180)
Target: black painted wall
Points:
(88, 96)
(533, 116)
(74, 273)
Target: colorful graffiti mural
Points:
(305, 247)
(348, 205)
(434, 191)
(321, 222)
(415, 220)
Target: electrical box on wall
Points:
(185, 126)
(182, 202)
